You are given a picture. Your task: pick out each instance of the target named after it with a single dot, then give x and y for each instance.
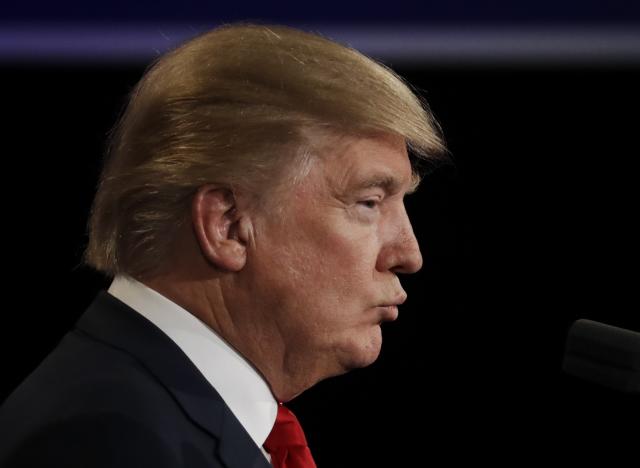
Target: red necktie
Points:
(287, 444)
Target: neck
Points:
(252, 334)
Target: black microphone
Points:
(603, 354)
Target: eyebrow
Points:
(389, 183)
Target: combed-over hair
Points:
(235, 107)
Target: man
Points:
(251, 213)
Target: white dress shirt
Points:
(242, 388)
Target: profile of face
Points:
(326, 268)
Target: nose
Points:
(401, 253)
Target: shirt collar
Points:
(242, 388)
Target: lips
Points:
(389, 310)
(388, 313)
(400, 298)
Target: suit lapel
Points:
(113, 322)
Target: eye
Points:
(371, 203)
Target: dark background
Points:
(399, 12)
(532, 228)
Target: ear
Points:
(222, 233)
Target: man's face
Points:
(326, 267)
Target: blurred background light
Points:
(481, 31)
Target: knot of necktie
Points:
(287, 444)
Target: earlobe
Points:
(218, 227)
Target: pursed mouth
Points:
(388, 313)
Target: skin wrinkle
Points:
(305, 304)
(320, 270)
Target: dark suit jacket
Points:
(117, 392)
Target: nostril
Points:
(401, 254)
(409, 262)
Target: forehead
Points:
(379, 160)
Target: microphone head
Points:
(603, 354)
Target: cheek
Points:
(323, 259)
(337, 279)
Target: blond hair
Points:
(234, 107)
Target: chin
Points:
(366, 352)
